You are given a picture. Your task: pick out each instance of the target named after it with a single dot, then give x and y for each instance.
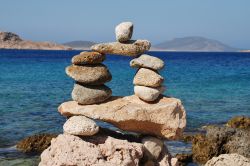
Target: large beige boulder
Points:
(68, 150)
(164, 117)
(229, 160)
(130, 48)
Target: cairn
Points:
(157, 118)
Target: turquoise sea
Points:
(212, 86)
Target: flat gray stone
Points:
(89, 74)
(86, 94)
(124, 31)
(147, 61)
(130, 48)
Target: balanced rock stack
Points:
(147, 81)
(154, 118)
(90, 76)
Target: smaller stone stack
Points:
(148, 82)
(90, 75)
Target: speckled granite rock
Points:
(147, 77)
(88, 58)
(130, 48)
(80, 125)
(229, 160)
(89, 74)
(124, 31)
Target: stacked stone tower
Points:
(152, 117)
(90, 75)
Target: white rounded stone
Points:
(124, 31)
(148, 93)
(80, 125)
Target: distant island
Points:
(80, 45)
(9, 40)
(194, 43)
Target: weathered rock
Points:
(89, 74)
(87, 94)
(147, 61)
(229, 160)
(184, 159)
(220, 140)
(121, 152)
(148, 93)
(165, 117)
(153, 147)
(71, 150)
(88, 58)
(35, 143)
(147, 77)
(241, 122)
(130, 48)
(80, 125)
(166, 159)
(124, 31)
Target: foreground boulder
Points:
(228, 160)
(35, 143)
(220, 140)
(130, 48)
(76, 151)
(164, 117)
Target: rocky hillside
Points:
(80, 45)
(9, 40)
(194, 44)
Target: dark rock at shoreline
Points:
(220, 140)
(184, 159)
(35, 143)
(241, 122)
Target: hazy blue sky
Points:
(156, 20)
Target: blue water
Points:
(212, 86)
